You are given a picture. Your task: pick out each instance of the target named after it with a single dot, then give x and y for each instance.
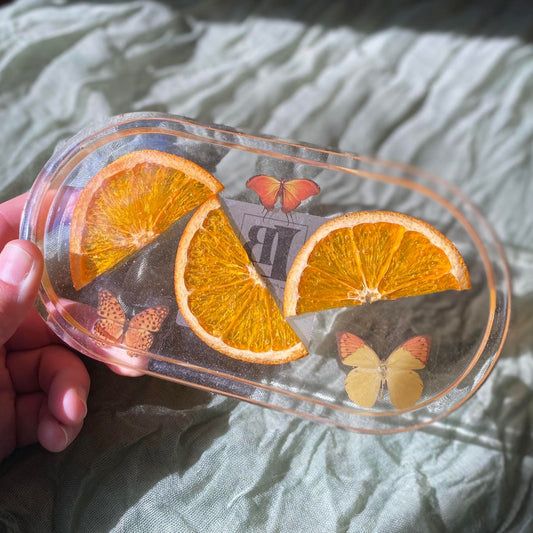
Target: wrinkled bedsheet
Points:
(446, 86)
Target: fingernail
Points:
(15, 264)
(83, 402)
(75, 405)
(65, 435)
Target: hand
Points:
(43, 384)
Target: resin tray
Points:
(467, 328)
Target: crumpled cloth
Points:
(443, 85)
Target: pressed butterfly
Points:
(365, 382)
(289, 193)
(135, 333)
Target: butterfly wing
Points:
(363, 386)
(406, 386)
(353, 351)
(140, 339)
(107, 330)
(267, 188)
(150, 319)
(411, 355)
(363, 383)
(110, 325)
(294, 192)
(109, 307)
(140, 331)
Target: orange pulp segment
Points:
(128, 204)
(223, 298)
(368, 256)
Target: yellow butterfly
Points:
(365, 382)
(136, 332)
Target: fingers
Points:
(35, 422)
(27, 408)
(67, 395)
(58, 372)
(51, 386)
(52, 434)
(21, 267)
(43, 391)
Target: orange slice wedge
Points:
(128, 204)
(223, 298)
(368, 256)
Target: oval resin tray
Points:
(384, 366)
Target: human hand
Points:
(43, 384)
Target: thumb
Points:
(21, 268)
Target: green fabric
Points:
(443, 85)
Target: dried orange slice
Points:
(128, 204)
(223, 298)
(368, 256)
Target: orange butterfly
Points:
(290, 193)
(135, 333)
(368, 378)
